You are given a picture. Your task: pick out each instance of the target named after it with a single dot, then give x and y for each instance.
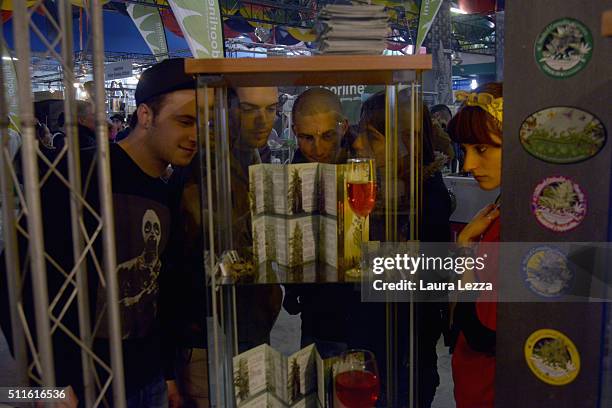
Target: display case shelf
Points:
(321, 70)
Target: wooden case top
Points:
(319, 70)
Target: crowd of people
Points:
(158, 230)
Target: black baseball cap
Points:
(162, 78)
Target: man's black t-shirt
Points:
(142, 217)
(142, 229)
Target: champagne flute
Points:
(361, 188)
(356, 380)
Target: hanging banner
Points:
(201, 24)
(117, 70)
(429, 10)
(83, 4)
(11, 98)
(149, 23)
(8, 4)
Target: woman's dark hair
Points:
(472, 124)
(441, 108)
(373, 114)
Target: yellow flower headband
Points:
(493, 106)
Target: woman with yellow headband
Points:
(478, 128)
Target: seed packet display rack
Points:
(392, 72)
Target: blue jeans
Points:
(152, 395)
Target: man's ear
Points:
(345, 126)
(145, 116)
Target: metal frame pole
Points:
(391, 208)
(224, 195)
(31, 183)
(106, 208)
(224, 212)
(11, 254)
(76, 208)
(208, 232)
(416, 159)
(391, 166)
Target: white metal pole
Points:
(21, 25)
(11, 256)
(106, 207)
(76, 208)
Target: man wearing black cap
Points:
(164, 134)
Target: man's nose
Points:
(317, 146)
(193, 135)
(259, 116)
(262, 117)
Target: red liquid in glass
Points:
(357, 389)
(362, 197)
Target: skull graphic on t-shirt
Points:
(138, 284)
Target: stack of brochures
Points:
(352, 29)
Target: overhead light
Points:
(473, 84)
(7, 58)
(457, 10)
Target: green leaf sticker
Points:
(563, 48)
(562, 135)
(559, 204)
(552, 357)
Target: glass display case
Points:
(296, 229)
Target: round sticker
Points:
(563, 48)
(552, 357)
(559, 204)
(562, 134)
(547, 272)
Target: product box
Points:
(262, 375)
(300, 214)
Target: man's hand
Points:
(174, 397)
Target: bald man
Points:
(319, 126)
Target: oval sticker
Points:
(559, 204)
(547, 272)
(563, 48)
(562, 135)
(552, 357)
